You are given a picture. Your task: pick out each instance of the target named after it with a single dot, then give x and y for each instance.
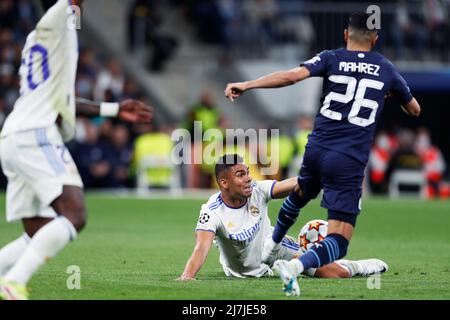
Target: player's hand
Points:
(235, 90)
(135, 111)
(185, 278)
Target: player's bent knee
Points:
(71, 205)
(80, 223)
(78, 216)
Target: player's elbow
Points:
(292, 77)
(416, 111)
(413, 108)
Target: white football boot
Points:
(288, 275)
(364, 268)
(12, 291)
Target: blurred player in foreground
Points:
(356, 82)
(44, 188)
(237, 218)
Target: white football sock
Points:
(10, 253)
(351, 266)
(296, 266)
(45, 244)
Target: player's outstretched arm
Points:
(273, 80)
(281, 189)
(198, 257)
(412, 108)
(127, 110)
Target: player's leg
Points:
(332, 270)
(19, 205)
(332, 248)
(308, 188)
(49, 177)
(290, 249)
(341, 178)
(52, 237)
(10, 253)
(32, 225)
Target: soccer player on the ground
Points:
(44, 188)
(356, 81)
(237, 218)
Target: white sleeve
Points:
(207, 221)
(57, 18)
(266, 188)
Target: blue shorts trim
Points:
(341, 216)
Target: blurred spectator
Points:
(86, 74)
(120, 156)
(105, 128)
(262, 14)
(87, 65)
(205, 111)
(152, 158)
(405, 157)
(110, 82)
(284, 150)
(8, 14)
(217, 21)
(436, 14)
(433, 161)
(131, 91)
(305, 125)
(8, 86)
(143, 32)
(379, 158)
(27, 15)
(260, 19)
(408, 27)
(91, 157)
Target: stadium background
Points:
(178, 56)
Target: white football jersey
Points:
(47, 72)
(240, 232)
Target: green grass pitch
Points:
(135, 248)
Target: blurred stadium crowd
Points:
(111, 154)
(418, 30)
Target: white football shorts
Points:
(37, 165)
(289, 249)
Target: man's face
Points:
(237, 181)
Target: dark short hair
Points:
(358, 20)
(225, 162)
(358, 29)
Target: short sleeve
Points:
(207, 220)
(317, 65)
(266, 188)
(400, 88)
